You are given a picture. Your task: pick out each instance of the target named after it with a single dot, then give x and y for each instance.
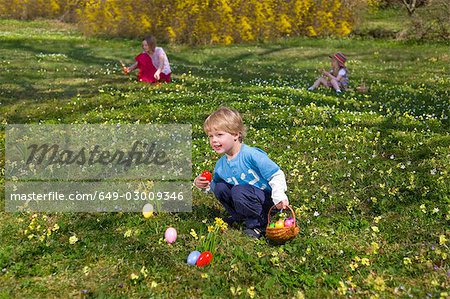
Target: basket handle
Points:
(292, 212)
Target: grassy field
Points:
(368, 173)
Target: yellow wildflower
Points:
(134, 276)
(342, 289)
(224, 226)
(210, 228)
(442, 239)
(365, 261)
(407, 261)
(379, 284)
(251, 292)
(375, 229)
(221, 224)
(236, 291)
(374, 247)
(144, 272)
(127, 234)
(73, 240)
(300, 295)
(423, 208)
(193, 234)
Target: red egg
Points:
(207, 175)
(204, 259)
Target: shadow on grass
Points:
(32, 86)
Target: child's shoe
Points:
(338, 92)
(310, 88)
(254, 232)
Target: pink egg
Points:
(289, 222)
(170, 235)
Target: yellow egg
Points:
(147, 210)
(279, 224)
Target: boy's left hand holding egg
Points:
(201, 182)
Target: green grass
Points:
(348, 160)
(383, 23)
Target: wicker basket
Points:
(282, 234)
(362, 88)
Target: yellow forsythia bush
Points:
(198, 21)
(30, 9)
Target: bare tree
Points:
(410, 6)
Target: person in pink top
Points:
(152, 63)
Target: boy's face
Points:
(223, 142)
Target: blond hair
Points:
(227, 120)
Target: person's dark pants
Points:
(245, 202)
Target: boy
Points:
(246, 182)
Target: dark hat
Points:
(340, 57)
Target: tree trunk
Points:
(410, 6)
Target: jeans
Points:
(245, 202)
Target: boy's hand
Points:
(282, 204)
(201, 182)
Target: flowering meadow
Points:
(368, 173)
